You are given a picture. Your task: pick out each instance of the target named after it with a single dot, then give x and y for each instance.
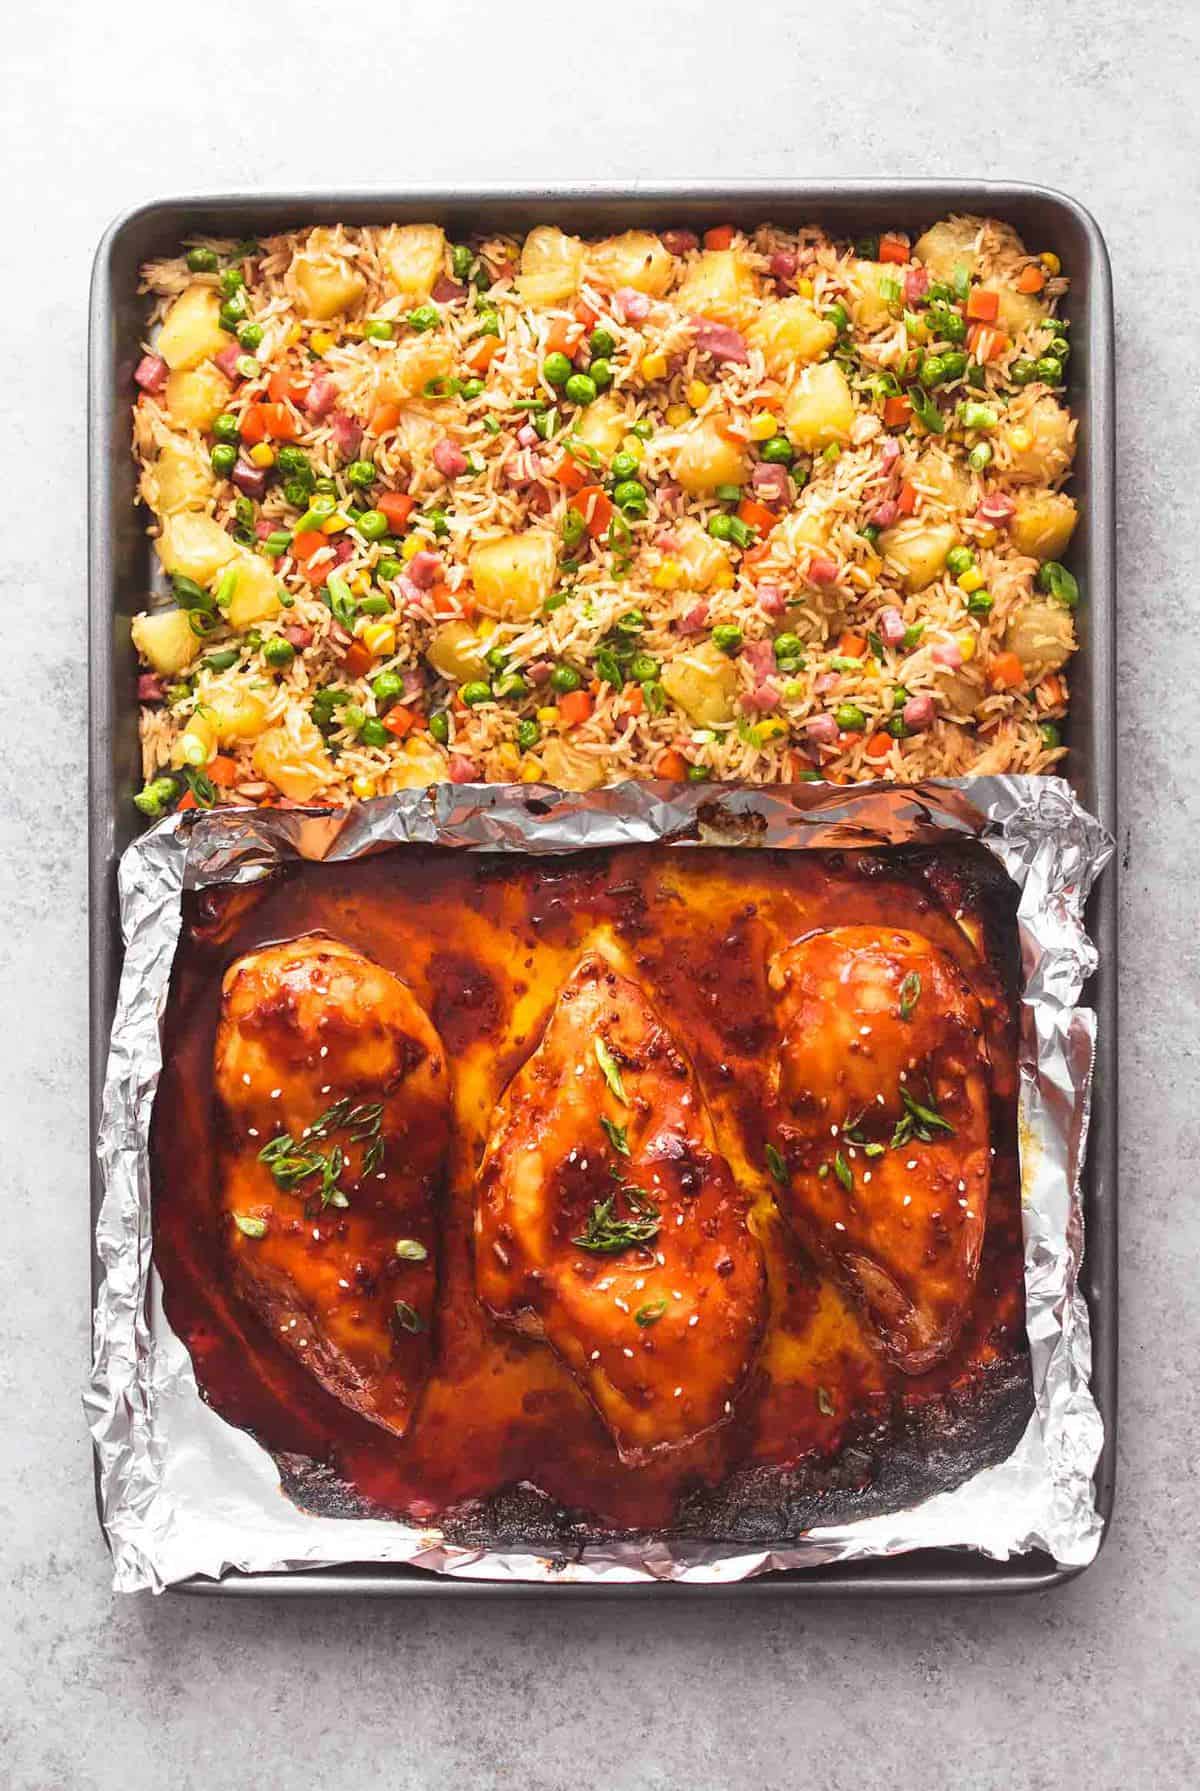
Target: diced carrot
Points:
(186, 801)
(397, 506)
(252, 427)
(982, 305)
(893, 248)
(850, 738)
(399, 720)
(481, 354)
(906, 500)
(284, 386)
(223, 771)
(757, 516)
(316, 573)
(567, 470)
(385, 416)
(852, 646)
(358, 660)
(672, 764)
(753, 556)
(595, 506)
(1031, 278)
(896, 412)
(1006, 672)
(305, 545)
(585, 315)
(1053, 687)
(635, 700)
(563, 337)
(986, 343)
(878, 746)
(730, 430)
(719, 238)
(575, 707)
(278, 422)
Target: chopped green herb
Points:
(249, 1226)
(843, 1172)
(408, 1318)
(607, 1235)
(910, 994)
(776, 1164)
(650, 1313)
(617, 1136)
(611, 1072)
(411, 1250)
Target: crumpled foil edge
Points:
(182, 1493)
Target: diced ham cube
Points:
(151, 373)
(918, 714)
(891, 627)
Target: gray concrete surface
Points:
(109, 105)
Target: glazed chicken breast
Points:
(335, 1121)
(608, 1222)
(880, 1152)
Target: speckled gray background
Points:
(109, 105)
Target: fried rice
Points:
(765, 506)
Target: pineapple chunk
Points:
(193, 399)
(703, 683)
(698, 554)
(514, 576)
(790, 332)
(603, 425)
(704, 459)
(636, 258)
(568, 769)
(1043, 523)
(236, 714)
(326, 283)
(410, 367)
(944, 479)
(1051, 448)
(719, 285)
(948, 246)
(182, 477)
(165, 641)
(414, 254)
(293, 759)
(870, 284)
(1042, 635)
(195, 546)
(255, 595)
(819, 408)
(918, 550)
(417, 765)
(551, 264)
(191, 330)
(455, 652)
(808, 526)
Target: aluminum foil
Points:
(183, 1493)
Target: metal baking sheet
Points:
(120, 572)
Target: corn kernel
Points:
(986, 536)
(770, 730)
(966, 645)
(653, 366)
(634, 447)
(364, 787)
(322, 341)
(667, 576)
(532, 771)
(262, 455)
(412, 545)
(970, 580)
(762, 427)
(1050, 262)
(547, 717)
(1020, 439)
(697, 392)
(333, 525)
(722, 578)
(379, 638)
(485, 628)
(678, 415)
(872, 565)
(509, 757)
(805, 288)
(294, 335)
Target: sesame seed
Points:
(679, 1392)
(838, 1226)
(904, 1075)
(911, 1164)
(627, 1352)
(676, 1296)
(833, 1131)
(324, 1052)
(961, 1202)
(302, 1343)
(316, 1234)
(327, 1088)
(728, 1407)
(618, 1301)
(342, 1283)
(864, 1032)
(253, 1132)
(880, 1101)
(908, 1200)
(660, 1259)
(246, 1077)
(640, 1283)
(694, 1319)
(866, 1176)
(275, 1093)
(679, 1218)
(595, 1355)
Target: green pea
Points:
(232, 280)
(629, 495)
(643, 429)
(225, 427)
(510, 685)
(871, 532)
(292, 461)
(980, 603)
(912, 636)
(959, 560)
(471, 388)
(601, 374)
(642, 667)
(740, 533)
(728, 637)
(461, 261)
(425, 317)
(361, 473)
(850, 718)
(233, 312)
(573, 528)
(388, 568)
(435, 521)
(386, 688)
(224, 459)
(556, 369)
(325, 702)
(788, 646)
(1051, 735)
(564, 679)
(896, 726)
(528, 734)
(372, 525)
(297, 492)
(475, 692)
(1050, 369)
(778, 451)
(602, 342)
(373, 733)
(1023, 371)
(497, 658)
(154, 798)
(278, 652)
(439, 726)
(379, 329)
(728, 494)
(624, 466)
(698, 774)
(202, 261)
(981, 456)
(720, 526)
(353, 717)
(250, 336)
(954, 363)
(581, 388)
(248, 366)
(933, 370)
(489, 324)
